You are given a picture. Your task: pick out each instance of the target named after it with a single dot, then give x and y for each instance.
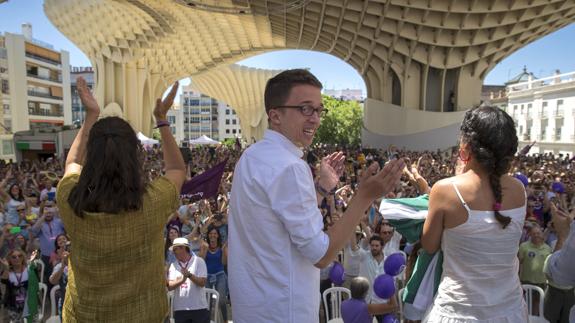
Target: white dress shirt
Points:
(275, 235)
(560, 266)
(370, 269)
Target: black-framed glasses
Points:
(307, 110)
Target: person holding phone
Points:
(116, 218)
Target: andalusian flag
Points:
(31, 305)
(407, 215)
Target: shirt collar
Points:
(283, 141)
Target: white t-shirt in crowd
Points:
(189, 296)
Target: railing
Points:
(47, 113)
(558, 113)
(44, 95)
(43, 59)
(557, 137)
(542, 82)
(526, 137)
(542, 115)
(47, 78)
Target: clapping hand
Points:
(331, 170)
(88, 100)
(378, 183)
(163, 106)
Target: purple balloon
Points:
(384, 286)
(394, 264)
(558, 187)
(390, 318)
(337, 273)
(522, 178)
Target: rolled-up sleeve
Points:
(293, 199)
(560, 266)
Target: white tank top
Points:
(480, 280)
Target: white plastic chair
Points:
(528, 293)
(335, 301)
(213, 295)
(400, 303)
(42, 266)
(171, 305)
(43, 290)
(54, 315)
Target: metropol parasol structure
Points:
(423, 61)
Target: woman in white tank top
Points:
(476, 218)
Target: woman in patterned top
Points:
(115, 218)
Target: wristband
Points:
(162, 123)
(323, 192)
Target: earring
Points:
(465, 160)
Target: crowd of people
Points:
(30, 219)
(90, 236)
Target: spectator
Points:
(187, 278)
(559, 268)
(59, 276)
(47, 229)
(15, 277)
(216, 257)
(532, 255)
(358, 310)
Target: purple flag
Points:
(206, 184)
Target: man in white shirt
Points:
(276, 243)
(371, 265)
(187, 278)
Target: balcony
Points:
(43, 59)
(529, 116)
(558, 113)
(542, 115)
(54, 112)
(46, 78)
(526, 137)
(44, 95)
(556, 137)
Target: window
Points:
(234, 131)
(7, 125)
(7, 148)
(239, 130)
(234, 121)
(173, 129)
(543, 129)
(227, 111)
(5, 87)
(6, 109)
(234, 112)
(172, 119)
(227, 121)
(227, 131)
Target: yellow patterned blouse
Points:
(116, 269)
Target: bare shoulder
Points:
(441, 191)
(514, 189)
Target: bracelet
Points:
(323, 192)
(162, 123)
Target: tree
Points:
(342, 124)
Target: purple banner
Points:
(206, 184)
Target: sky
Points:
(541, 57)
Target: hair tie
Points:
(497, 206)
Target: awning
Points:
(36, 145)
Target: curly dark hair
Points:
(113, 178)
(492, 138)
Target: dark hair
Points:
(278, 88)
(378, 238)
(210, 228)
(56, 241)
(113, 178)
(20, 196)
(359, 287)
(492, 139)
(168, 243)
